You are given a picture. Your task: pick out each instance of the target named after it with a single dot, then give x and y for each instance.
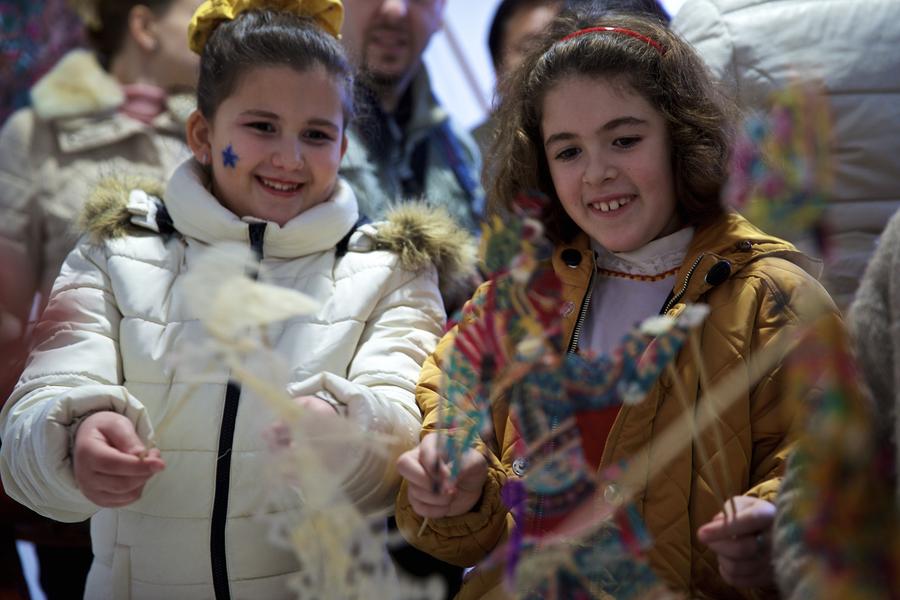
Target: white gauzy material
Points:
(229, 302)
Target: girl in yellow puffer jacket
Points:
(615, 119)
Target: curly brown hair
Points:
(675, 81)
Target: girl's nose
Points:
(289, 156)
(599, 171)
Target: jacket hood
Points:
(721, 249)
(420, 234)
(75, 86)
(718, 251)
(417, 233)
(111, 208)
(196, 213)
(78, 86)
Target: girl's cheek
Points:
(556, 176)
(253, 145)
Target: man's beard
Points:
(379, 80)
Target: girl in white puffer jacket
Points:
(177, 520)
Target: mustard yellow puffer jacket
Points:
(752, 283)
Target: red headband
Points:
(659, 47)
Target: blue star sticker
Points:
(229, 157)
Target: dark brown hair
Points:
(676, 83)
(507, 9)
(268, 38)
(112, 25)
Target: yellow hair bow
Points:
(328, 14)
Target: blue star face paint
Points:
(229, 158)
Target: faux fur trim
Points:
(77, 85)
(106, 214)
(420, 235)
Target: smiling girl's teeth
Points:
(281, 187)
(612, 205)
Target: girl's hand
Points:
(743, 542)
(278, 435)
(111, 463)
(430, 493)
(316, 406)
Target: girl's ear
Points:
(198, 137)
(142, 28)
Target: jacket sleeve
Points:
(21, 247)
(869, 320)
(872, 319)
(463, 540)
(74, 370)
(379, 391)
(776, 406)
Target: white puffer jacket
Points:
(119, 310)
(759, 46)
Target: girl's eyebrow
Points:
(255, 112)
(559, 137)
(618, 122)
(315, 121)
(322, 122)
(608, 126)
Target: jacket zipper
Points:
(582, 314)
(687, 279)
(218, 557)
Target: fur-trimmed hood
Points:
(417, 233)
(77, 85)
(420, 234)
(111, 210)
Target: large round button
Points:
(718, 273)
(571, 257)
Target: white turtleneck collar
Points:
(629, 287)
(659, 256)
(197, 213)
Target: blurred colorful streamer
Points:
(781, 171)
